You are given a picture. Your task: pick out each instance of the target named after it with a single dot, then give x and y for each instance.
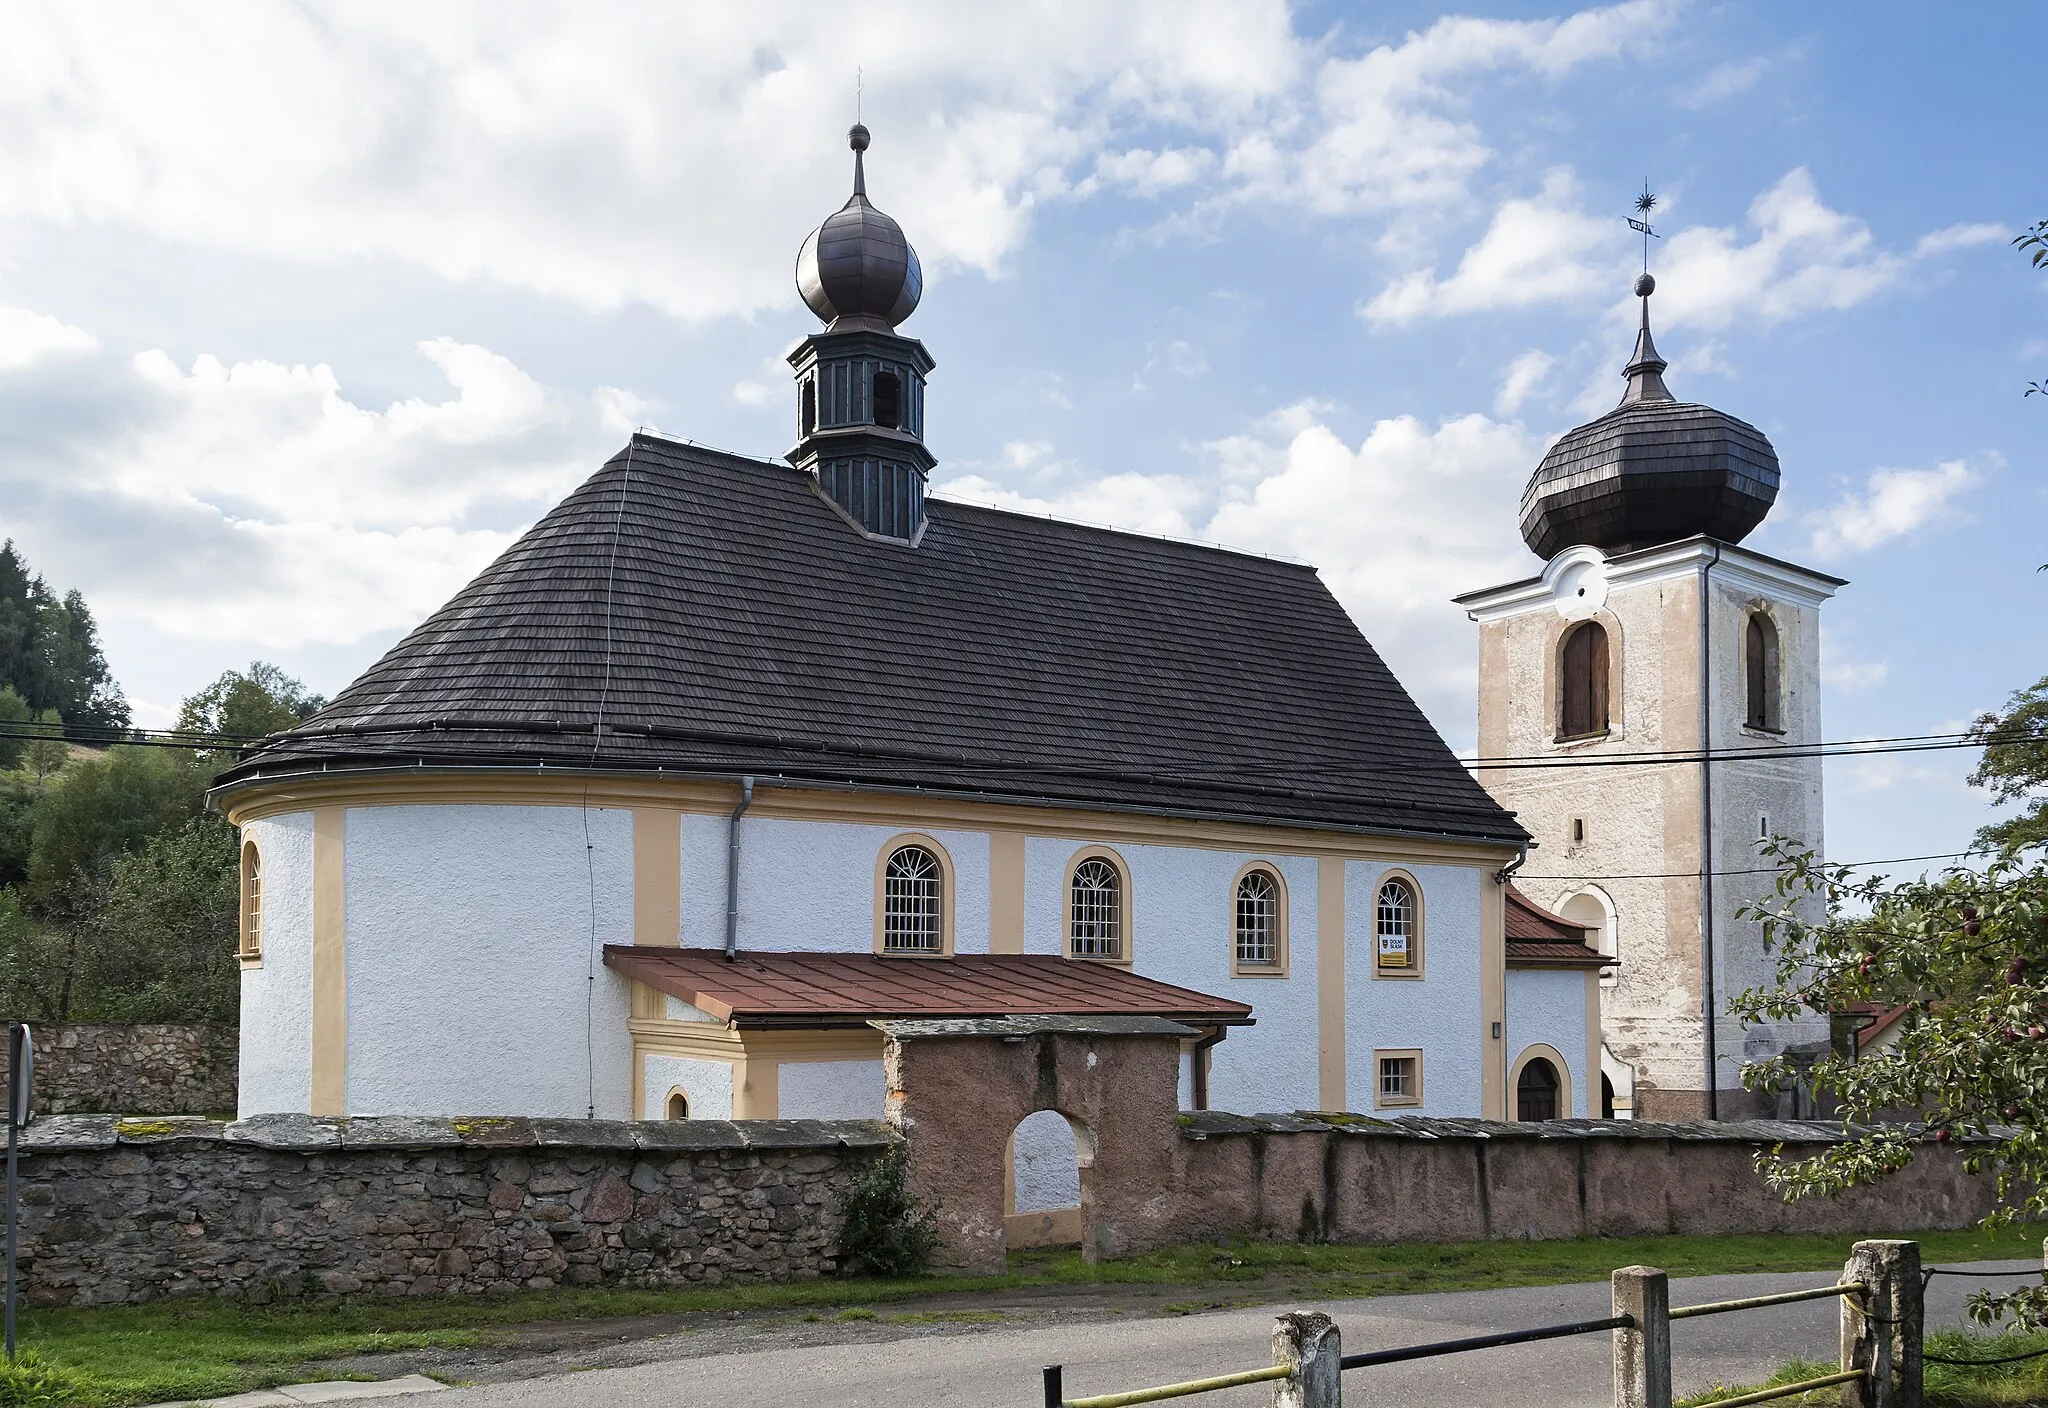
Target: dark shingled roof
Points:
(752, 630)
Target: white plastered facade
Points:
(473, 932)
(1628, 838)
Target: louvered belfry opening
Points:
(1582, 709)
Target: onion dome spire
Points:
(1645, 370)
(858, 265)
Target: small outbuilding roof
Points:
(697, 612)
(852, 989)
(1539, 939)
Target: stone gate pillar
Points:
(958, 1087)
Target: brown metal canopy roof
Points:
(1539, 939)
(850, 989)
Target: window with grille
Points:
(1400, 1080)
(252, 902)
(1258, 920)
(1096, 908)
(912, 898)
(1394, 925)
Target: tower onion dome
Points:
(1652, 470)
(857, 264)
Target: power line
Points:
(1761, 870)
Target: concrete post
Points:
(1307, 1343)
(1881, 1329)
(1642, 1351)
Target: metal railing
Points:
(1881, 1328)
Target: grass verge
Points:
(109, 1356)
(1986, 1385)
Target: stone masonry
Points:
(150, 1068)
(287, 1205)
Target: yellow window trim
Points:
(1418, 948)
(947, 886)
(1397, 1053)
(1278, 967)
(1565, 1106)
(1125, 934)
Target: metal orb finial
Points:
(857, 137)
(1645, 285)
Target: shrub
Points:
(887, 1230)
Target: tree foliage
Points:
(100, 810)
(1966, 954)
(885, 1229)
(264, 700)
(2016, 770)
(50, 651)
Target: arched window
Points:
(678, 1105)
(1095, 925)
(1257, 919)
(1582, 706)
(1760, 671)
(1536, 1091)
(913, 902)
(888, 400)
(1595, 912)
(252, 903)
(1397, 927)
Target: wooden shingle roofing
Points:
(727, 621)
(850, 989)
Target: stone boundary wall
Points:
(278, 1206)
(1354, 1179)
(152, 1068)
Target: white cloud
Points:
(1725, 81)
(1541, 250)
(1524, 375)
(1958, 237)
(1894, 503)
(1851, 676)
(256, 502)
(1150, 173)
(751, 393)
(27, 339)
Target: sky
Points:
(306, 312)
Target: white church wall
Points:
(1438, 1013)
(277, 997)
(472, 933)
(810, 885)
(707, 1085)
(1045, 1158)
(1181, 920)
(1549, 1008)
(829, 1090)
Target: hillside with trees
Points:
(117, 886)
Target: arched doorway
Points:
(1044, 1202)
(1606, 1098)
(1536, 1090)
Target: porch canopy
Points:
(811, 990)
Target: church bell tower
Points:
(860, 384)
(1658, 687)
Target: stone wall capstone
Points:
(277, 1206)
(150, 1068)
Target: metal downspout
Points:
(1198, 1067)
(1713, 1090)
(732, 871)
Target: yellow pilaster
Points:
(330, 963)
(1330, 1069)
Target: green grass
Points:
(1946, 1385)
(118, 1355)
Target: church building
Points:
(1654, 694)
(726, 759)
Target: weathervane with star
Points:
(1645, 203)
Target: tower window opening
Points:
(1763, 827)
(1578, 831)
(1760, 661)
(1582, 711)
(808, 415)
(888, 400)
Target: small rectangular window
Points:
(1763, 827)
(1400, 1079)
(1578, 831)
